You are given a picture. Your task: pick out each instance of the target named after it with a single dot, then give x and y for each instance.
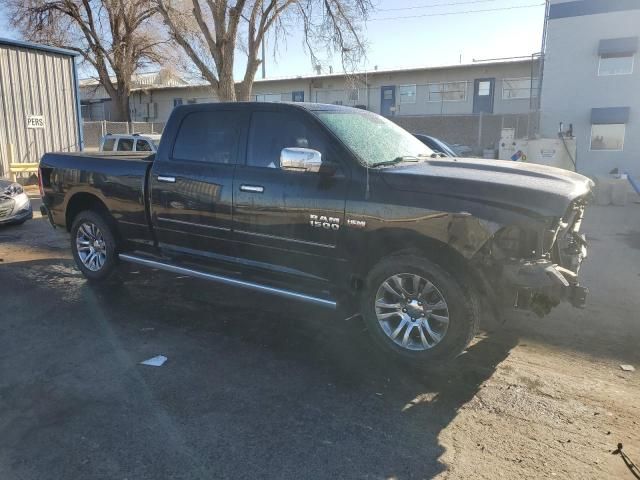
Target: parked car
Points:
(15, 206)
(462, 150)
(435, 144)
(333, 206)
(134, 142)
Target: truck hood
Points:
(539, 189)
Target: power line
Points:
(433, 5)
(456, 13)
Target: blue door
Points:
(483, 91)
(387, 100)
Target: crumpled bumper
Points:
(540, 285)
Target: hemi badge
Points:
(356, 223)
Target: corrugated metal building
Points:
(39, 102)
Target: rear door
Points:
(191, 185)
(289, 221)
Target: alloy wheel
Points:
(411, 311)
(91, 246)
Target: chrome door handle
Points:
(252, 188)
(162, 178)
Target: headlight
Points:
(14, 189)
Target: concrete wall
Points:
(572, 87)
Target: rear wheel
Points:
(93, 245)
(417, 311)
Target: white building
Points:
(592, 81)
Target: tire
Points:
(90, 226)
(422, 310)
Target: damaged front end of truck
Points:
(534, 267)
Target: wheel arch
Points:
(397, 242)
(82, 201)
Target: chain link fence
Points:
(94, 131)
(477, 131)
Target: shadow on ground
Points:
(267, 389)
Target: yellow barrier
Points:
(15, 168)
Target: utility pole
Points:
(262, 47)
(263, 59)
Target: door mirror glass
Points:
(300, 159)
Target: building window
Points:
(177, 101)
(448, 92)
(298, 96)
(407, 94)
(192, 101)
(484, 89)
(519, 88)
(615, 65)
(269, 97)
(608, 137)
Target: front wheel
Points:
(93, 245)
(417, 311)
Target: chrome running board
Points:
(227, 280)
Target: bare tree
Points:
(212, 32)
(113, 36)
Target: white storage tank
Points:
(555, 152)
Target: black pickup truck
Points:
(334, 206)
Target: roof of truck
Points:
(152, 136)
(314, 107)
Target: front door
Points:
(190, 189)
(288, 222)
(483, 91)
(387, 100)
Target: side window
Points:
(125, 145)
(272, 131)
(108, 144)
(210, 137)
(142, 146)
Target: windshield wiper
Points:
(402, 158)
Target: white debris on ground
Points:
(157, 361)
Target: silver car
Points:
(15, 206)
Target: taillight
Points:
(40, 186)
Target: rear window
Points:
(125, 145)
(143, 146)
(108, 144)
(210, 137)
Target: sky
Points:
(410, 33)
(428, 37)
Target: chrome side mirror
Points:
(300, 159)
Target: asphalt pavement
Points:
(254, 387)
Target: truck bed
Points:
(118, 179)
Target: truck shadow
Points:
(388, 416)
(305, 392)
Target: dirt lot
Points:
(257, 388)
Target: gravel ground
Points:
(254, 390)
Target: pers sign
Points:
(35, 121)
